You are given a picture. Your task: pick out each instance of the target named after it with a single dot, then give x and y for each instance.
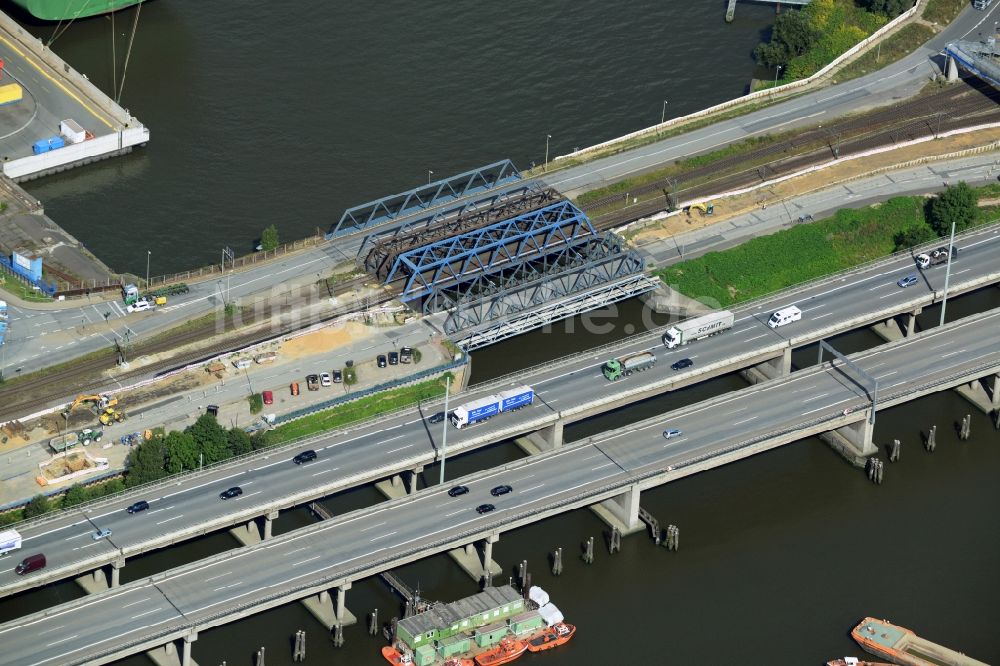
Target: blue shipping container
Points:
(40, 147)
(484, 412)
(520, 399)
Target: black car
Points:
(484, 508)
(304, 457)
(381, 360)
(500, 490)
(393, 358)
(141, 505)
(338, 376)
(436, 418)
(213, 410)
(235, 491)
(458, 490)
(405, 355)
(681, 364)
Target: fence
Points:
(384, 386)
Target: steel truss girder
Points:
(424, 197)
(490, 248)
(577, 304)
(383, 253)
(530, 283)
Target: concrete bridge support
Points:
(545, 439)
(248, 534)
(896, 329)
(951, 70)
(983, 393)
(621, 511)
(468, 558)
(396, 486)
(322, 608)
(779, 366)
(268, 519)
(853, 441)
(168, 654)
(100, 580)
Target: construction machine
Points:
(102, 401)
(111, 415)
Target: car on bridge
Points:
(141, 505)
(304, 457)
(907, 281)
(458, 490)
(670, 433)
(235, 491)
(681, 364)
(101, 534)
(501, 490)
(484, 508)
(436, 418)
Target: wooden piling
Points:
(260, 656)
(338, 636)
(557, 566)
(373, 623)
(615, 542)
(300, 646)
(588, 551)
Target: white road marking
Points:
(169, 519)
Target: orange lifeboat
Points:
(553, 636)
(395, 657)
(506, 651)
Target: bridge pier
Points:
(951, 70)
(780, 366)
(322, 608)
(621, 511)
(889, 330)
(268, 519)
(545, 439)
(853, 441)
(167, 655)
(986, 399)
(249, 534)
(468, 559)
(99, 581)
(911, 322)
(412, 481)
(395, 487)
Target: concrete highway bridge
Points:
(613, 467)
(568, 390)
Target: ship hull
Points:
(60, 10)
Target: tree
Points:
(182, 451)
(890, 8)
(914, 236)
(76, 494)
(38, 505)
(958, 204)
(146, 462)
(269, 238)
(792, 36)
(238, 442)
(210, 439)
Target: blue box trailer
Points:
(491, 405)
(516, 398)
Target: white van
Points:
(784, 316)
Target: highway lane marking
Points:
(219, 576)
(62, 640)
(252, 494)
(455, 513)
(822, 315)
(528, 490)
(325, 471)
(879, 286)
(943, 344)
(383, 536)
(166, 508)
(752, 418)
(888, 374)
(77, 536)
(49, 631)
(392, 438)
(109, 638)
(87, 546)
(169, 519)
(756, 337)
(371, 527)
(402, 448)
(89, 602)
(817, 397)
(149, 612)
(960, 351)
(820, 409)
(607, 464)
(202, 485)
(315, 557)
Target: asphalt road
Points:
(896, 81)
(405, 441)
(430, 520)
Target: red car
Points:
(295, 388)
(268, 398)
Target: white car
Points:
(140, 306)
(670, 433)
(325, 379)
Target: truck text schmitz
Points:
(9, 540)
(697, 328)
(935, 257)
(617, 368)
(485, 408)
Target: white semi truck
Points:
(9, 540)
(697, 328)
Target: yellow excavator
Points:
(111, 415)
(707, 208)
(100, 401)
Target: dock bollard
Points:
(588, 551)
(373, 623)
(300, 646)
(557, 565)
(615, 542)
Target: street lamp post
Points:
(947, 273)
(776, 70)
(429, 174)
(663, 116)
(149, 253)
(547, 137)
(444, 426)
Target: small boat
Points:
(506, 651)
(553, 636)
(458, 661)
(397, 658)
(854, 661)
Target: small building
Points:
(449, 647)
(526, 622)
(424, 655)
(492, 605)
(72, 131)
(491, 634)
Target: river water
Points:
(289, 116)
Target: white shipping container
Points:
(9, 540)
(72, 131)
